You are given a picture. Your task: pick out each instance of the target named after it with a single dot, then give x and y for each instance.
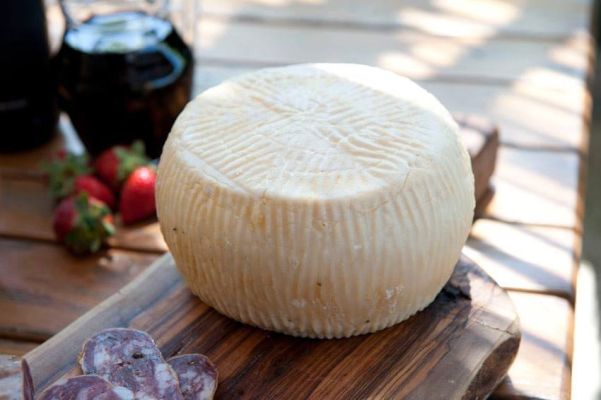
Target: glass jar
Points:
(125, 69)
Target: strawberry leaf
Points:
(62, 172)
(91, 226)
(130, 159)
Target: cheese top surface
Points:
(313, 131)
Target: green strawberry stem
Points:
(130, 159)
(62, 173)
(91, 227)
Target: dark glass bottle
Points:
(124, 76)
(28, 111)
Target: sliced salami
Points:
(197, 376)
(130, 358)
(85, 387)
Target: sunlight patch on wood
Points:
(494, 12)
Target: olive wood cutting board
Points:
(460, 347)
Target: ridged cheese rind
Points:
(318, 200)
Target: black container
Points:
(28, 111)
(124, 76)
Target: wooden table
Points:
(523, 63)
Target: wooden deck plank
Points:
(536, 187)
(528, 116)
(560, 121)
(26, 211)
(530, 18)
(44, 288)
(16, 347)
(28, 162)
(542, 368)
(25, 208)
(525, 257)
(416, 55)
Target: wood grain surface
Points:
(542, 368)
(26, 211)
(16, 347)
(409, 53)
(459, 347)
(523, 257)
(514, 18)
(536, 187)
(43, 288)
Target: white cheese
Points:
(323, 200)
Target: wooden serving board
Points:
(460, 347)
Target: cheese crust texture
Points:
(318, 200)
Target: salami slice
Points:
(197, 376)
(130, 358)
(85, 387)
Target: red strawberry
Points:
(96, 189)
(82, 223)
(62, 171)
(137, 197)
(114, 165)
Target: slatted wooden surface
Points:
(522, 63)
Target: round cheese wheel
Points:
(321, 200)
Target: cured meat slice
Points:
(85, 387)
(197, 376)
(130, 358)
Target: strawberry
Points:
(96, 189)
(137, 196)
(82, 223)
(62, 170)
(114, 165)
